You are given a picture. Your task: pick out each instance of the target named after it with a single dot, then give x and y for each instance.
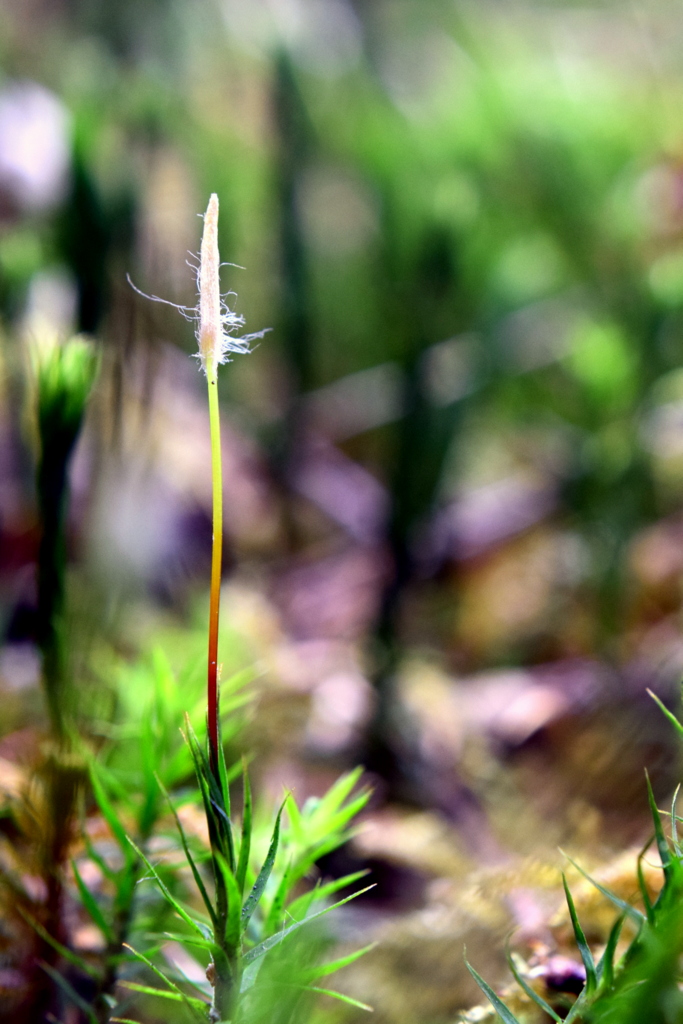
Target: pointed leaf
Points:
(584, 949)
(223, 773)
(337, 794)
(498, 1005)
(300, 906)
(195, 925)
(294, 815)
(95, 857)
(338, 995)
(193, 867)
(627, 908)
(245, 844)
(274, 940)
(647, 902)
(674, 822)
(108, 812)
(70, 991)
(192, 1004)
(523, 984)
(274, 918)
(233, 925)
(264, 874)
(605, 968)
(662, 844)
(176, 997)
(64, 951)
(322, 970)
(672, 718)
(91, 906)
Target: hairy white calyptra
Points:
(210, 325)
(217, 322)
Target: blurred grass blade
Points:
(64, 951)
(301, 905)
(108, 812)
(340, 996)
(192, 1003)
(498, 1005)
(322, 970)
(71, 992)
(523, 984)
(91, 906)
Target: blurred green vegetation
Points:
(463, 225)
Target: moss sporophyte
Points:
(252, 932)
(217, 341)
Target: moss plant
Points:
(64, 375)
(644, 985)
(254, 915)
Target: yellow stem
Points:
(216, 563)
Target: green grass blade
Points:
(64, 951)
(672, 718)
(584, 949)
(576, 1009)
(245, 843)
(264, 874)
(336, 795)
(223, 773)
(192, 1004)
(498, 1005)
(523, 984)
(322, 970)
(295, 820)
(108, 812)
(300, 906)
(71, 992)
(194, 925)
(190, 860)
(95, 857)
(274, 940)
(176, 997)
(662, 845)
(674, 822)
(338, 995)
(622, 905)
(605, 969)
(91, 906)
(233, 924)
(647, 902)
(275, 913)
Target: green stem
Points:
(216, 564)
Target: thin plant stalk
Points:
(216, 566)
(210, 343)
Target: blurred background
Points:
(453, 465)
